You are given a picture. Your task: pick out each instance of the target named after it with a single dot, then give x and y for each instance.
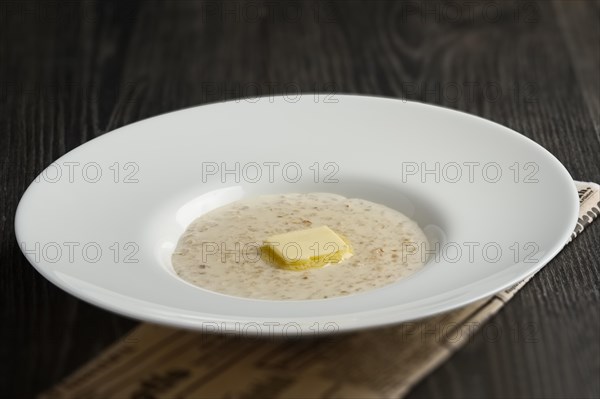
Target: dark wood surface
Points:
(73, 71)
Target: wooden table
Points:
(74, 71)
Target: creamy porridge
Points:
(221, 250)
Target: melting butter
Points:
(222, 249)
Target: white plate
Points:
(101, 222)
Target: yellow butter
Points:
(306, 249)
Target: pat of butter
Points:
(306, 249)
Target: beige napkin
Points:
(160, 362)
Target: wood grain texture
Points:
(71, 71)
